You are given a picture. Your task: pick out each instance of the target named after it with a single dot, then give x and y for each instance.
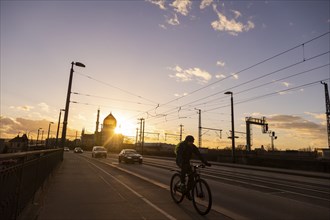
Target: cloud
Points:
(286, 84)
(182, 6)
(184, 75)
(163, 26)
(235, 76)
(297, 125)
(205, 3)
(173, 21)
(44, 106)
(219, 76)
(321, 116)
(232, 26)
(183, 94)
(160, 3)
(237, 14)
(22, 108)
(11, 127)
(221, 63)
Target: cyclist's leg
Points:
(190, 178)
(184, 171)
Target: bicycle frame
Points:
(198, 190)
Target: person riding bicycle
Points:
(184, 151)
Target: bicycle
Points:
(201, 193)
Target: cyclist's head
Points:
(190, 139)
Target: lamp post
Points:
(67, 105)
(47, 141)
(58, 126)
(232, 125)
(38, 135)
(42, 136)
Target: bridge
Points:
(81, 187)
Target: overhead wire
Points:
(204, 87)
(102, 97)
(120, 89)
(268, 83)
(269, 94)
(173, 110)
(247, 68)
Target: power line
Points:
(250, 99)
(247, 68)
(249, 81)
(271, 82)
(88, 104)
(272, 93)
(120, 89)
(102, 97)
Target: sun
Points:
(125, 127)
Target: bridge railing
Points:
(21, 175)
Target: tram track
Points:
(294, 189)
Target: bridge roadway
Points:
(87, 188)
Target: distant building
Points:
(106, 136)
(18, 144)
(108, 130)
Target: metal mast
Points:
(327, 113)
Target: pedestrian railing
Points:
(21, 175)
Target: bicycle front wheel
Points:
(176, 193)
(202, 197)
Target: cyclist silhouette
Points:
(185, 149)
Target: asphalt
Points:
(79, 190)
(73, 192)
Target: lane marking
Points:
(135, 193)
(216, 208)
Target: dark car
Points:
(99, 151)
(78, 150)
(129, 156)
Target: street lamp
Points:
(58, 126)
(47, 141)
(38, 135)
(232, 125)
(42, 136)
(67, 105)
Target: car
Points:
(78, 150)
(129, 156)
(99, 151)
(66, 149)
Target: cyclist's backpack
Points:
(178, 152)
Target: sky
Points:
(164, 61)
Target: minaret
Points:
(97, 121)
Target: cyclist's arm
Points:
(199, 155)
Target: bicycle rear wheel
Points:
(176, 193)
(202, 197)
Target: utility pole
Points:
(199, 128)
(136, 136)
(141, 136)
(143, 121)
(327, 113)
(181, 126)
(67, 103)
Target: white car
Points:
(99, 151)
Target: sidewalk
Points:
(75, 192)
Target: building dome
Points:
(110, 121)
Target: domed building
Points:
(106, 136)
(108, 130)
